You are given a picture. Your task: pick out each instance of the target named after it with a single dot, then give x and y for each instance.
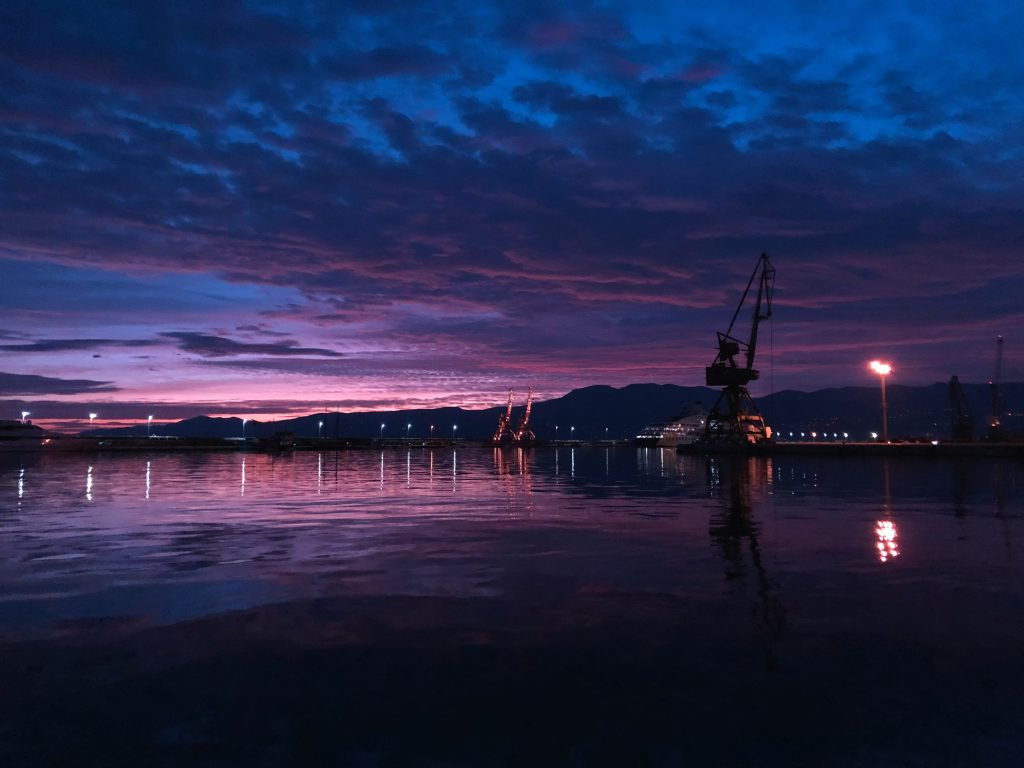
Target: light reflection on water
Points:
(171, 536)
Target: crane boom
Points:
(724, 371)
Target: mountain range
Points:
(598, 411)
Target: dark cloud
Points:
(69, 345)
(16, 384)
(208, 345)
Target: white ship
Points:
(686, 428)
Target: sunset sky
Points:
(271, 208)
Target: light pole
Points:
(91, 417)
(572, 432)
(149, 425)
(454, 427)
(382, 430)
(606, 433)
(24, 415)
(883, 370)
(244, 422)
(407, 428)
(556, 432)
(431, 431)
(320, 429)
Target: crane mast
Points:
(734, 418)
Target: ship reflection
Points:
(734, 532)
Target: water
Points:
(502, 607)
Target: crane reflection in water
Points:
(734, 531)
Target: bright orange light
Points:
(882, 369)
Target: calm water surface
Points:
(499, 607)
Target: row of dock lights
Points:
(408, 430)
(882, 369)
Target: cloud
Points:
(16, 384)
(481, 187)
(67, 345)
(208, 345)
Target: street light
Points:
(244, 422)
(431, 431)
(320, 429)
(407, 428)
(91, 417)
(454, 427)
(606, 433)
(572, 431)
(24, 415)
(382, 430)
(149, 425)
(883, 370)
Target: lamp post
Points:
(407, 428)
(382, 430)
(883, 370)
(454, 427)
(320, 429)
(431, 431)
(244, 422)
(606, 433)
(24, 415)
(572, 432)
(149, 425)
(556, 432)
(92, 416)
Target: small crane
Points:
(524, 434)
(503, 434)
(995, 424)
(734, 418)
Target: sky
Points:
(264, 209)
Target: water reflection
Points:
(734, 532)
(886, 535)
(888, 540)
(21, 483)
(88, 484)
(516, 478)
(243, 477)
(148, 463)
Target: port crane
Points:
(734, 418)
(503, 434)
(995, 423)
(523, 433)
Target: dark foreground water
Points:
(588, 607)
